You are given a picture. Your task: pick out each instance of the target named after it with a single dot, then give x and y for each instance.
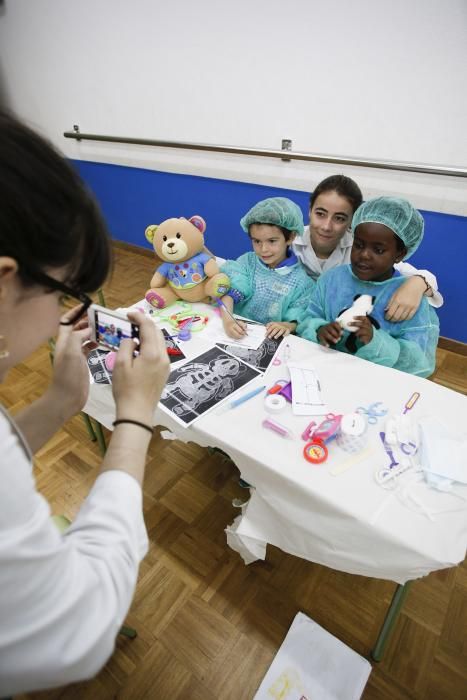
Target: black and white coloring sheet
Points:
(203, 382)
(260, 358)
(99, 372)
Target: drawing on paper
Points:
(260, 358)
(201, 383)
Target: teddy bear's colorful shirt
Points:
(185, 274)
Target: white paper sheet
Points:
(306, 391)
(255, 336)
(311, 664)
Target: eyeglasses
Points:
(50, 282)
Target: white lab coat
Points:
(64, 597)
(341, 256)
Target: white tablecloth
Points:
(347, 522)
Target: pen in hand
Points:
(222, 305)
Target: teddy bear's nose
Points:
(170, 245)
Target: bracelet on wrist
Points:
(428, 286)
(133, 422)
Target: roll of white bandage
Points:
(274, 403)
(352, 434)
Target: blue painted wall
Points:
(133, 198)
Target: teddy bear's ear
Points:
(150, 231)
(199, 222)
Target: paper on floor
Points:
(311, 664)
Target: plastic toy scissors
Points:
(409, 448)
(372, 413)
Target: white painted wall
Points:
(383, 79)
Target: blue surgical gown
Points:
(408, 345)
(269, 294)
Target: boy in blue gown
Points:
(269, 285)
(386, 231)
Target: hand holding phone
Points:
(137, 382)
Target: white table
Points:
(347, 522)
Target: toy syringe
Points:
(411, 402)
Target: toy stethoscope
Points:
(372, 413)
(316, 451)
(180, 319)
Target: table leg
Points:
(391, 617)
(89, 427)
(100, 437)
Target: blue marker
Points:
(245, 397)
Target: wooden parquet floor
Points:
(209, 626)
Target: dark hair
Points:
(48, 219)
(287, 233)
(344, 186)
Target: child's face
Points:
(374, 252)
(269, 243)
(330, 217)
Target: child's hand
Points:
(234, 329)
(276, 329)
(363, 329)
(406, 299)
(330, 334)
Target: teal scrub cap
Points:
(398, 215)
(277, 211)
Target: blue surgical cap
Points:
(398, 215)
(276, 211)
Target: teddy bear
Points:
(187, 271)
(362, 306)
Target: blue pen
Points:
(245, 397)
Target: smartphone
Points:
(109, 328)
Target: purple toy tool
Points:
(286, 392)
(184, 332)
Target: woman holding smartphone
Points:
(64, 597)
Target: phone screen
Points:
(111, 330)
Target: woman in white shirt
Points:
(64, 597)
(327, 242)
